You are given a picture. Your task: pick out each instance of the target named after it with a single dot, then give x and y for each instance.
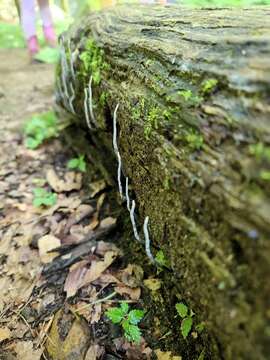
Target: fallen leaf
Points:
(97, 187)
(132, 276)
(95, 352)
(25, 351)
(45, 245)
(133, 293)
(166, 355)
(5, 333)
(107, 222)
(73, 181)
(81, 213)
(74, 280)
(98, 267)
(152, 284)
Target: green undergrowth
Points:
(93, 61)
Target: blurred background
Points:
(64, 11)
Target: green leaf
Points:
(43, 197)
(73, 163)
(48, 55)
(182, 309)
(115, 315)
(200, 327)
(131, 332)
(161, 259)
(32, 143)
(135, 316)
(186, 326)
(124, 307)
(77, 163)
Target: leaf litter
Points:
(59, 272)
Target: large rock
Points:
(194, 139)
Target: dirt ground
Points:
(59, 268)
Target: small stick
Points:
(97, 302)
(147, 240)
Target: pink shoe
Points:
(50, 35)
(32, 45)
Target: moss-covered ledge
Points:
(194, 138)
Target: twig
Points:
(97, 302)
(115, 146)
(63, 67)
(147, 240)
(86, 109)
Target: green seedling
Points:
(40, 128)
(77, 163)
(42, 197)
(128, 320)
(186, 316)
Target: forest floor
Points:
(59, 268)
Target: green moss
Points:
(102, 99)
(186, 94)
(208, 86)
(260, 151)
(194, 140)
(265, 175)
(93, 61)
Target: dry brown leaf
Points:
(81, 212)
(107, 222)
(133, 293)
(103, 247)
(166, 355)
(45, 245)
(97, 187)
(73, 181)
(75, 278)
(98, 267)
(5, 333)
(25, 351)
(95, 352)
(132, 276)
(152, 284)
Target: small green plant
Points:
(209, 85)
(93, 61)
(161, 259)
(40, 128)
(265, 175)
(42, 197)
(260, 151)
(186, 316)
(77, 163)
(128, 320)
(186, 94)
(195, 141)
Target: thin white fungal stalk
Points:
(71, 99)
(147, 240)
(91, 100)
(63, 67)
(115, 146)
(133, 222)
(127, 195)
(71, 60)
(86, 109)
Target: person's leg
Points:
(47, 22)
(28, 25)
